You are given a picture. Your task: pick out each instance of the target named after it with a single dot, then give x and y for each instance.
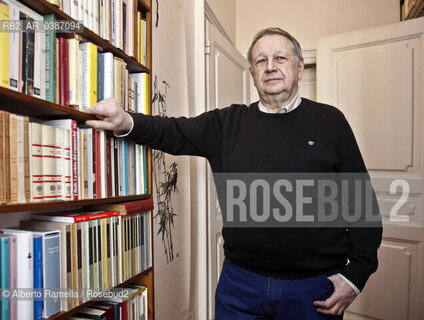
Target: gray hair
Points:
(271, 31)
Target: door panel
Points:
(375, 77)
(227, 74)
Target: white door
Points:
(227, 82)
(375, 77)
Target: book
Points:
(50, 50)
(51, 178)
(65, 250)
(126, 208)
(50, 255)
(63, 72)
(25, 270)
(4, 44)
(12, 274)
(37, 189)
(38, 276)
(14, 48)
(89, 75)
(4, 274)
(73, 46)
(71, 127)
(91, 313)
(75, 217)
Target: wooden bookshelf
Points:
(25, 105)
(143, 278)
(43, 7)
(68, 204)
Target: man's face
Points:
(274, 69)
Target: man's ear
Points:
(252, 75)
(301, 69)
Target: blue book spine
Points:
(4, 275)
(124, 168)
(38, 277)
(52, 272)
(100, 77)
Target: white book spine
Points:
(86, 19)
(73, 74)
(25, 270)
(21, 159)
(139, 95)
(37, 65)
(96, 17)
(74, 9)
(81, 10)
(91, 14)
(144, 42)
(66, 6)
(84, 47)
(138, 170)
(127, 107)
(80, 79)
(108, 75)
(103, 163)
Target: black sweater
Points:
(243, 139)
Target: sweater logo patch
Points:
(311, 143)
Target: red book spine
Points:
(98, 167)
(138, 206)
(109, 167)
(124, 310)
(95, 216)
(74, 160)
(63, 72)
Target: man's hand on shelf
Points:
(110, 116)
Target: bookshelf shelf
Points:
(143, 6)
(68, 204)
(142, 277)
(38, 108)
(44, 7)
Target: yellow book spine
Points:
(73, 71)
(146, 93)
(4, 45)
(93, 74)
(105, 282)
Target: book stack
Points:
(56, 160)
(30, 262)
(131, 302)
(68, 253)
(65, 69)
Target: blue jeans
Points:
(244, 295)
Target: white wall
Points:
(225, 11)
(308, 20)
(172, 280)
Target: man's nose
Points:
(270, 66)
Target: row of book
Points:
(65, 256)
(116, 21)
(63, 69)
(56, 160)
(132, 304)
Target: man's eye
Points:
(260, 61)
(280, 59)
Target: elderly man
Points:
(271, 273)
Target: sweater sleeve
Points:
(364, 240)
(198, 136)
